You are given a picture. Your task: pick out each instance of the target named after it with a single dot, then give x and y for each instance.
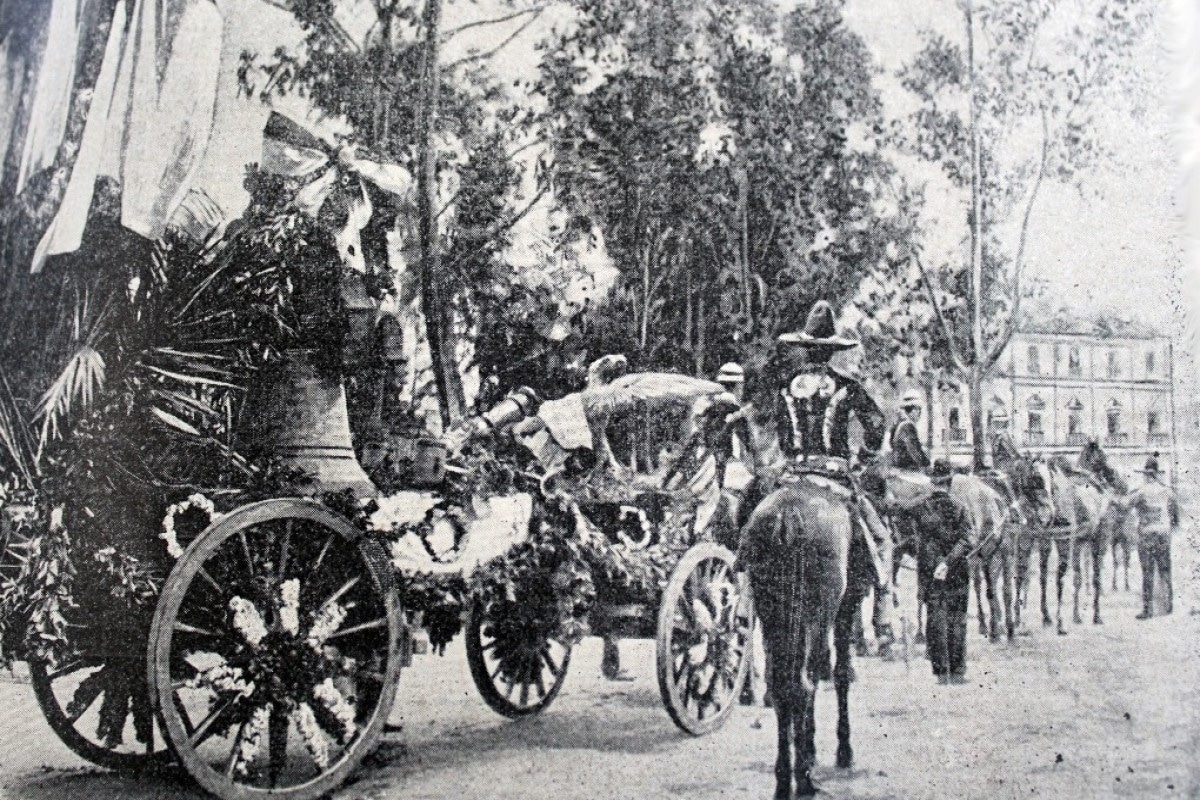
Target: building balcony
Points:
(1117, 439)
(1158, 439)
(1035, 438)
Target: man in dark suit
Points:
(907, 451)
(945, 531)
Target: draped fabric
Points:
(150, 120)
(51, 91)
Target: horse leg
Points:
(1021, 553)
(784, 720)
(1076, 581)
(1044, 562)
(1006, 575)
(841, 682)
(1098, 553)
(805, 695)
(1060, 574)
(991, 569)
(860, 634)
(977, 576)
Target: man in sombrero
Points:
(814, 406)
(1158, 513)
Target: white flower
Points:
(223, 679)
(401, 509)
(168, 534)
(289, 607)
(314, 739)
(326, 622)
(718, 144)
(247, 621)
(338, 706)
(251, 740)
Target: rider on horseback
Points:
(815, 404)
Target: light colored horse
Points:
(1080, 509)
(994, 551)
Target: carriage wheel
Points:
(704, 627)
(516, 666)
(274, 654)
(100, 709)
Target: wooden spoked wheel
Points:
(100, 708)
(517, 667)
(274, 654)
(704, 628)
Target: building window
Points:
(1114, 422)
(1074, 424)
(1114, 366)
(1152, 422)
(1033, 362)
(1035, 422)
(1074, 365)
(1149, 362)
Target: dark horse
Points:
(809, 574)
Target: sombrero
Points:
(819, 331)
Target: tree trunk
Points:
(929, 414)
(978, 434)
(434, 300)
(976, 221)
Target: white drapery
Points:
(150, 120)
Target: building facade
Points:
(1053, 391)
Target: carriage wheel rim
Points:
(518, 699)
(678, 681)
(223, 782)
(67, 723)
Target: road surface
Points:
(1110, 711)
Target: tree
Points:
(715, 150)
(461, 116)
(1004, 109)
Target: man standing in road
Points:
(1158, 513)
(945, 531)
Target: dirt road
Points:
(1111, 711)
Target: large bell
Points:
(297, 416)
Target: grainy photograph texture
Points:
(598, 399)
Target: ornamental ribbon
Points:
(290, 150)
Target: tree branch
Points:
(943, 323)
(498, 227)
(489, 53)
(493, 21)
(1014, 318)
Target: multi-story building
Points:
(1053, 391)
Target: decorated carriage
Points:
(273, 652)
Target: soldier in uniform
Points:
(1158, 513)
(814, 407)
(945, 531)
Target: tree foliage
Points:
(724, 154)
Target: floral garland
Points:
(196, 502)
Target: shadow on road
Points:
(97, 784)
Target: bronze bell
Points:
(297, 416)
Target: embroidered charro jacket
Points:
(819, 424)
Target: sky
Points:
(1117, 248)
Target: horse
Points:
(1124, 523)
(1030, 512)
(1081, 508)
(994, 550)
(809, 572)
